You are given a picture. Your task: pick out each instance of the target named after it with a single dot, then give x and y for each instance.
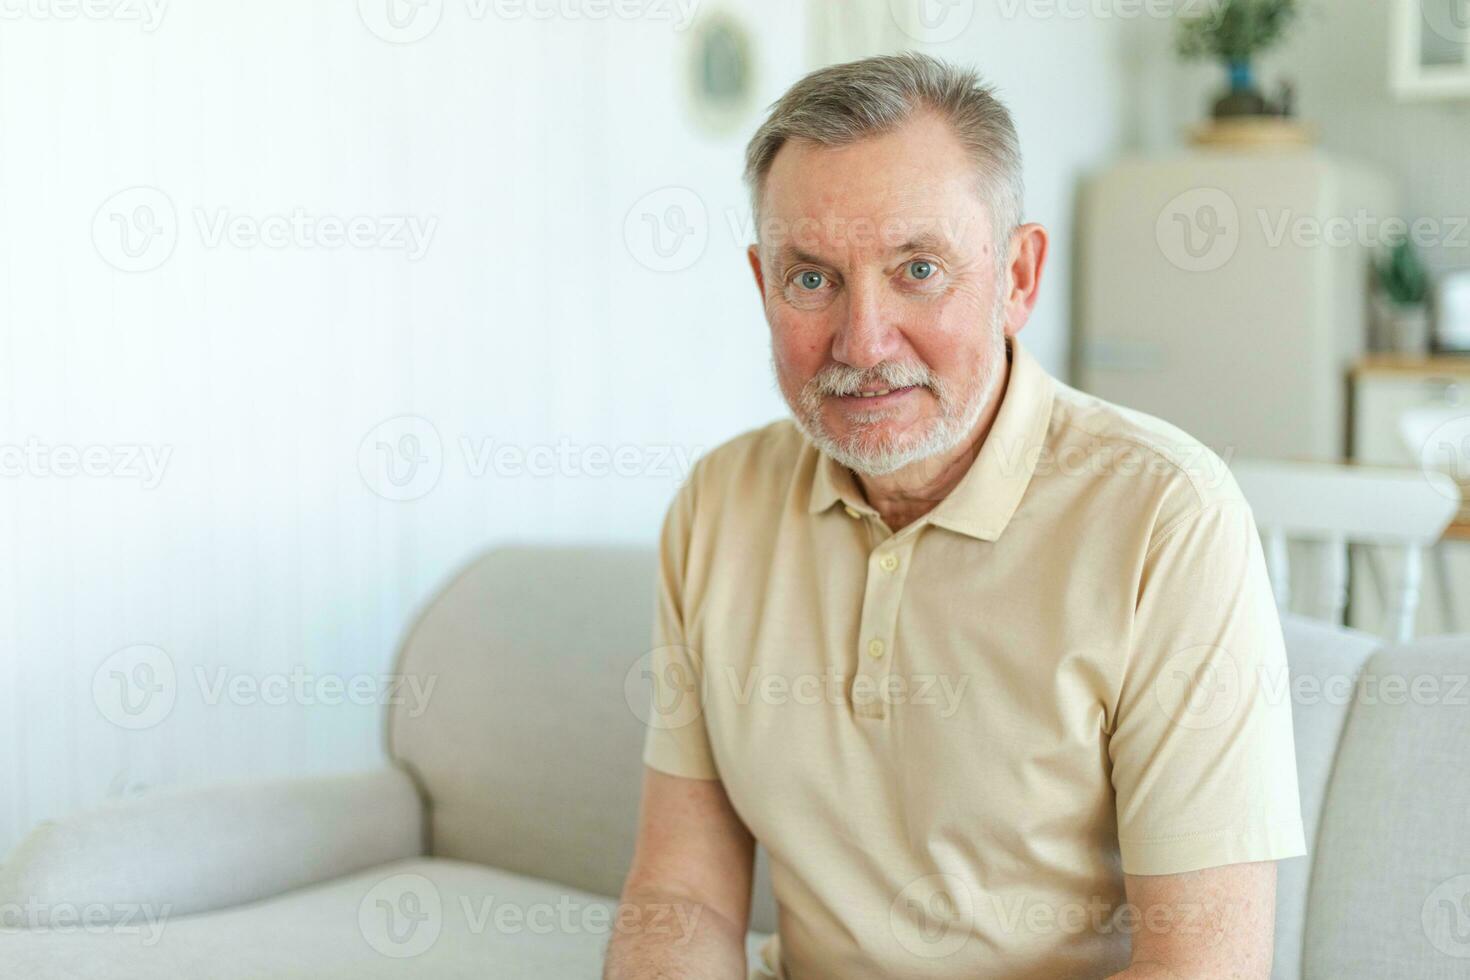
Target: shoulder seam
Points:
(1200, 498)
(1194, 514)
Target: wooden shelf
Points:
(1389, 363)
(1253, 132)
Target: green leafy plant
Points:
(1401, 276)
(1235, 30)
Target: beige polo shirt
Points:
(954, 740)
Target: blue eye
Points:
(811, 280)
(920, 269)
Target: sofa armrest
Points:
(213, 847)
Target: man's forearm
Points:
(667, 937)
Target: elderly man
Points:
(980, 660)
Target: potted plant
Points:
(1401, 300)
(1235, 31)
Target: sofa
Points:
(494, 838)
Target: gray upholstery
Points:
(1392, 871)
(1325, 660)
(529, 754)
(473, 923)
(214, 847)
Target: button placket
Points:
(887, 567)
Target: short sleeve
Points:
(676, 741)
(1203, 759)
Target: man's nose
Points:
(866, 335)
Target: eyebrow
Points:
(932, 241)
(923, 241)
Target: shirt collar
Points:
(982, 503)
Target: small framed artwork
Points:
(721, 71)
(1431, 49)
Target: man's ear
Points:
(754, 255)
(1028, 250)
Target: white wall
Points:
(255, 550)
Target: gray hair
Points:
(841, 104)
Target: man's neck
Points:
(908, 494)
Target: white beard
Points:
(870, 453)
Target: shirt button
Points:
(852, 511)
(875, 648)
(888, 562)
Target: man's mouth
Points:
(879, 393)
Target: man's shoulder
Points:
(764, 458)
(1145, 456)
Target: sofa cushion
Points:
(420, 918)
(1390, 893)
(216, 846)
(530, 750)
(1323, 662)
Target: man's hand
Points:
(1202, 925)
(686, 904)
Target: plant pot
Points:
(1401, 329)
(1243, 99)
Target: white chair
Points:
(1339, 505)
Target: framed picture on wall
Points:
(1431, 49)
(721, 71)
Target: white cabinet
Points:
(1386, 388)
(1225, 291)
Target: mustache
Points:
(842, 379)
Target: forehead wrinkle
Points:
(923, 241)
(939, 215)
